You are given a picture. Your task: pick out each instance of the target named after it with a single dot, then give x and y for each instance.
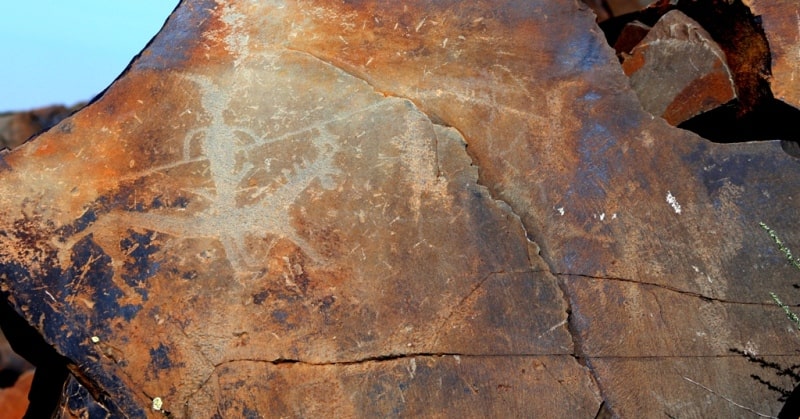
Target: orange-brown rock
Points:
(14, 400)
(326, 209)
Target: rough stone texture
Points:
(274, 210)
(780, 20)
(678, 71)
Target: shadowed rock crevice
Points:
(769, 121)
(390, 358)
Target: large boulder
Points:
(382, 209)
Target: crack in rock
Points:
(665, 287)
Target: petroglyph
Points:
(259, 154)
(248, 193)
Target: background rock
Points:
(18, 127)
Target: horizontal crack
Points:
(389, 358)
(667, 288)
(699, 356)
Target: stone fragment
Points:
(678, 71)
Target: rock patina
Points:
(380, 209)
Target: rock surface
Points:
(275, 211)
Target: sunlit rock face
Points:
(378, 209)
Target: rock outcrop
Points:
(381, 209)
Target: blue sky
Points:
(63, 52)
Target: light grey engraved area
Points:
(265, 140)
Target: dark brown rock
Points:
(678, 71)
(621, 7)
(279, 214)
(630, 36)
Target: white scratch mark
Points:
(419, 25)
(673, 202)
(725, 398)
(550, 330)
(444, 43)
(50, 295)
